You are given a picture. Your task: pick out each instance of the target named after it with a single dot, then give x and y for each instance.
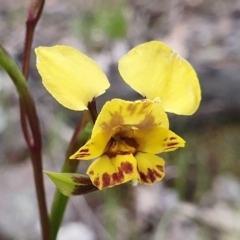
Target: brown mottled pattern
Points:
(138, 108)
(141, 108)
(91, 172)
(148, 122)
(130, 142)
(96, 182)
(116, 120)
(172, 144)
(81, 155)
(106, 180)
(161, 168)
(109, 180)
(114, 154)
(84, 150)
(152, 175)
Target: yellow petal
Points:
(172, 142)
(153, 69)
(139, 114)
(105, 172)
(157, 140)
(71, 77)
(94, 148)
(150, 167)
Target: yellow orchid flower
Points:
(71, 77)
(125, 139)
(153, 69)
(126, 135)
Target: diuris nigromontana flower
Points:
(127, 135)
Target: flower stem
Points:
(34, 14)
(80, 136)
(34, 140)
(93, 110)
(9, 65)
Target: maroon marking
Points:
(172, 144)
(106, 180)
(84, 150)
(126, 167)
(91, 172)
(151, 176)
(117, 177)
(173, 138)
(130, 142)
(143, 177)
(148, 122)
(160, 168)
(114, 154)
(165, 139)
(82, 155)
(96, 182)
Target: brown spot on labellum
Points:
(96, 182)
(151, 176)
(130, 142)
(116, 178)
(173, 138)
(91, 172)
(126, 167)
(106, 180)
(160, 168)
(143, 177)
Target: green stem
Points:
(60, 201)
(9, 65)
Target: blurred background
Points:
(199, 199)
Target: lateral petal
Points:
(157, 140)
(71, 77)
(153, 69)
(94, 148)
